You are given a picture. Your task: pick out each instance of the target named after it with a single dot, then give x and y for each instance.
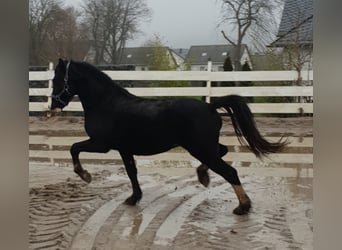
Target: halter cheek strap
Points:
(66, 77)
(65, 88)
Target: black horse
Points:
(116, 119)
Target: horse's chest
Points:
(114, 132)
(97, 128)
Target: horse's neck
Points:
(93, 93)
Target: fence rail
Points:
(207, 91)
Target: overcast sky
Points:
(180, 23)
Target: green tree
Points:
(245, 67)
(227, 66)
(162, 59)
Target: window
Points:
(204, 53)
(224, 53)
(129, 55)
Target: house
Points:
(180, 55)
(295, 34)
(270, 59)
(199, 55)
(181, 52)
(140, 57)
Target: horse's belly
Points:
(147, 146)
(151, 151)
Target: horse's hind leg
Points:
(216, 164)
(85, 146)
(202, 170)
(132, 174)
(230, 174)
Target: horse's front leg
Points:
(85, 146)
(131, 170)
(202, 174)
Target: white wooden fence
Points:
(50, 152)
(55, 154)
(208, 91)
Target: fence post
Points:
(209, 68)
(49, 90)
(49, 93)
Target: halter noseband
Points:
(65, 88)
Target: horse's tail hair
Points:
(245, 127)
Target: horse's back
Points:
(172, 116)
(196, 118)
(196, 111)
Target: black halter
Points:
(65, 88)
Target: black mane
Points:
(91, 72)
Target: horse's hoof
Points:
(132, 200)
(203, 176)
(242, 209)
(85, 176)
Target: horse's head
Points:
(63, 88)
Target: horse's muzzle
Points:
(54, 111)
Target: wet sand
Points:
(176, 212)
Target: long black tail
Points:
(244, 126)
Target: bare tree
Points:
(253, 18)
(66, 35)
(298, 51)
(112, 23)
(55, 32)
(295, 38)
(40, 12)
